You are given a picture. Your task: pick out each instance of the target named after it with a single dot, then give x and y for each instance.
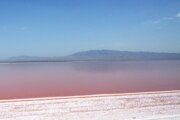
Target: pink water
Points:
(27, 80)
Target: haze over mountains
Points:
(93, 55)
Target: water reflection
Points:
(26, 80)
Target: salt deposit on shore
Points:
(139, 106)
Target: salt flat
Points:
(135, 106)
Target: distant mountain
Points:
(99, 55)
(25, 58)
(33, 59)
(123, 55)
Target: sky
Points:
(62, 27)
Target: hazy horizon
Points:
(57, 28)
(99, 54)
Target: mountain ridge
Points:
(100, 55)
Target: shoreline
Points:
(19, 62)
(87, 96)
(141, 106)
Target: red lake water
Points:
(29, 80)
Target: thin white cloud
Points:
(178, 14)
(168, 18)
(165, 19)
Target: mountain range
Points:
(94, 55)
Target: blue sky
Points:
(62, 27)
